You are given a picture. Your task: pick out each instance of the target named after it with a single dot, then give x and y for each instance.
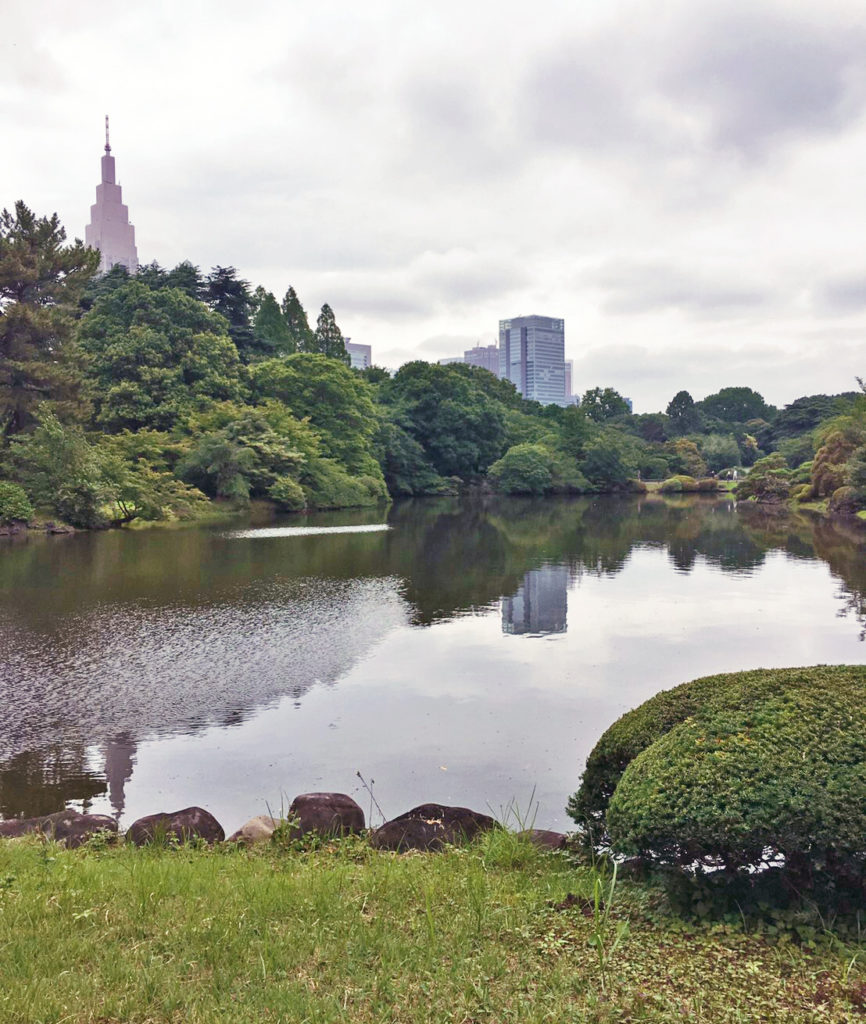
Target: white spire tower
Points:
(109, 229)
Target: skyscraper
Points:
(532, 357)
(361, 355)
(485, 356)
(109, 229)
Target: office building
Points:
(485, 356)
(540, 605)
(361, 355)
(109, 229)
(532, 357)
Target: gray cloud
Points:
(634, 288)
(842, 295)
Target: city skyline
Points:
(682, 186)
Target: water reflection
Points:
(540, 606)
(109, 640)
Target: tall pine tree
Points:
(296, 319)
(329, 337)
(271, 333)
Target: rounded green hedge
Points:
(14, 504)
(738, 771)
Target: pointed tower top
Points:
(107, 146)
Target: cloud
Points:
(639, 287)
(842, 295)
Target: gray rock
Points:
(326, 814)
(430, 827)
(545, 839)
(256, 830)
(70, 826)
(189, 823)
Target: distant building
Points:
(109, 229)
(569, 378)
(361, 355)
(532, 357)
(540, 605)
(485, 356)
(447, 360)
(629, 403)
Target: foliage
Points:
(685, 457)
(271, 334)
(328, 339)
(769, 480)
(536, 469)
(460, 429)
(14, 504)
(609, 461)
(336, 401)
(328, 485)
(683, 414)
(405, 466)
(288, 494)
(225, 293)
(154, 357)
(62, 471)
(769, 766)
(736, 405)
(720, 451)
(296, 319)
(679, 484)
(601, 404)
(41, 282)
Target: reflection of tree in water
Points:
(42, 781)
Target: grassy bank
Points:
(498, 932)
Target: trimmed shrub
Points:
(845, 500)
(523, 469)
(679, 483)
(710, 485)
(14, 504)
(769, 480)
(740, 771)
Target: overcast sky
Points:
(683, 183)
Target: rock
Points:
(256, 830)
(58, 528)
(70, 827)
(430, 827)
(545, 839)
(326, 814)
(190, 823)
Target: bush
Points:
(14, 503)
(739, 771)
(708, 486)
(523, 469)
(769, 480)
(679, 483)
(288, 494)
(328, 485)
(845, 501)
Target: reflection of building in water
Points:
(119, 760)
(541, 603)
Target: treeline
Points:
(147, 396)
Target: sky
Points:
(682, 182)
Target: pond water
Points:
(463, 652)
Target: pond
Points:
(466, 652)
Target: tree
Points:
(461, 430)
(601, 404)
(225, 293)
(609, 461)
(337, 402)
(720, 451)
(329, 338)
(769, 480)
(187, 277)
(736, 405)
(41, 283)
(523, 469)
(296, 319)
(686, 457)
(271, 334)
(684, 416)
(155, 357)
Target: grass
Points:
(495, 933)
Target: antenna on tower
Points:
(107, 146)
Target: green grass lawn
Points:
(344, 933)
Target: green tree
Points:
(14, 504)
(601, 404)
(329, 338)
(461, 430)
(271, 334)
(296, 318)
(227, 294)
(523, 469)
(336, 401)
(187, 277)
(720, 451)
(609, 461)
(736, 405)
(41, 283)
(685, 457)
(156, 356)
(769, 480)
(684, 416)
